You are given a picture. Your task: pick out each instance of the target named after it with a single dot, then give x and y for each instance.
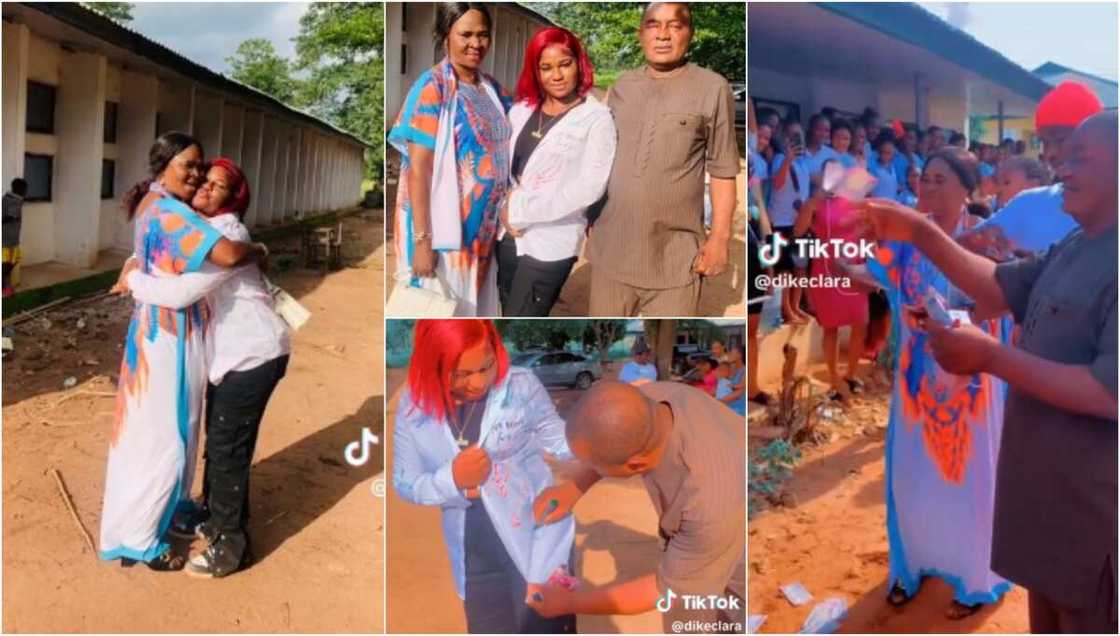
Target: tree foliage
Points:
(116, 11)
(256, 64)
(339, 49)
(609, 30)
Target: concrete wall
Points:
(295, 169)
(251, 157)
(111, 219)
(233, 125)
(79, 127)
(176, 106)
(136, 119)
(207, 128)
(511, 30)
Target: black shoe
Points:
(183, 525)
(167, 562)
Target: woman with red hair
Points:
(469, 437)
(247, 348)
(561, 152)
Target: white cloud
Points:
(208, 33)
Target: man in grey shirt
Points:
(12, 204)
(690, 452)
(1056, 480)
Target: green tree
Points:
(116, 11)
(339, 49)
(609, 30)
(661, 335)
(256, 64)
(553, 334)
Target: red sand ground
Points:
(832, 538)
(315, 525)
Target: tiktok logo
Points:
(358, 452)
(768, 255)
(665, 603)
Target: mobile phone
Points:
(936, 308)
(796, 141)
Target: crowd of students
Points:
(787, 165)
(1002, 353)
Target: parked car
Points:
(685, 356)
(561, 368)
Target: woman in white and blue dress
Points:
(469, 437)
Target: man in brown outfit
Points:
(648, 249)
(690, 451)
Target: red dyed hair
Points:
(239, 195)
(436, 347)
(529, 87)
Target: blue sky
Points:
(1078, 35)
(209, 33)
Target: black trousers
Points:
(527, 286)
(495, 589)
(234, 410)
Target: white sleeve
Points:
(542, 202)
(411, 479)
(177, 292)
(547, 423)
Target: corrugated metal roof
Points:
(92, 23)
(910, 23)
(1053, 68)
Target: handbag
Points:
(408, 301)
(289, 309)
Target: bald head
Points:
(612, 423)
(682, 9)
(1088, 171)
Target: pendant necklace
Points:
(537, 134)
(462, 441)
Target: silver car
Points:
(561, 368)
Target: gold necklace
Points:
(540, 118)
(537, 134)
(462, 441)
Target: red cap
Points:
(1069, 104)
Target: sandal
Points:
(958, 611)
(898, 596)
(836, 396)
(854, 385)
(167, 562)
(762, 397)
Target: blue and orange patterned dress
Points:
(942, 444)
(159, 397)
(481, 146)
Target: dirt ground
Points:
(316, 526)
(616, 540)
(830, 535)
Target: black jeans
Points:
(527, 286)
(495, 589)
(234, 410)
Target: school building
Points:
(411, 49)
(83, 100)
(897, 58)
